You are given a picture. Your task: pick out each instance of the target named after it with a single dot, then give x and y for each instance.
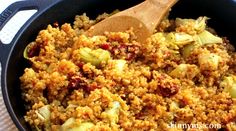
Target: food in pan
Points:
(184, 74)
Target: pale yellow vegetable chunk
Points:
(209, 61)
(179, 39)
(112, 113)
(207, 38)
(186, 50)
(193, 25)
(174, 106)
(71, 125)
(95, 57)
(201, 39)
(185, 71)
(44, 114)
(229, 85)
(85, 126)
(118, 65)
(200, 24)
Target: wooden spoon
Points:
(143, 18)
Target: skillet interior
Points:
(221, 12)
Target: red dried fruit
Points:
(168, 90)
(125, 50)
(80, 64)
(105, 46)
(55, 24)
(34, 51)
(92, 87)
(81, 82)
(77, 82)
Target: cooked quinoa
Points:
(183, 74)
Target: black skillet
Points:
(221, 12)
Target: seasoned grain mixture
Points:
(183, 74)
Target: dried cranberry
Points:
(125, 50)
(80, 64)
(92, 87)
(55, 24)
(81, 82)
(168, 90)
(77, 82)
(33, 51)
(105, 46)
(130, 56)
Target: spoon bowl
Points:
(142, 18)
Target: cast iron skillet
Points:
(221, 12)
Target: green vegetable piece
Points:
(209, 61)
(37, 128)
(115, 108)
(117, 65)
(85, 126)
(185, 71)
(113, 112)
(174, 106)
(201, 39)
(44, 113)
(186, 50)
(207, 38)
(232, 91)
(95, 57)
(200, 24)
(120, 64)
(70, 125)
(31, 50)
(25, 53)
(229, 85)
(181, 22)
(67, 123)
(179, 39)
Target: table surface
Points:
(6, 35)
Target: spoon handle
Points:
(149, 12)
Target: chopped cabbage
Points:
(185, 71)
(207, 38)
(118, 65)
(179, 39)
(113, 112)
(229, 85)
(85, 126)
(198, 25)
(95, 57)
(201, 39)
(70, 125)
(44, 113)
(186, 50)
(208, 61)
